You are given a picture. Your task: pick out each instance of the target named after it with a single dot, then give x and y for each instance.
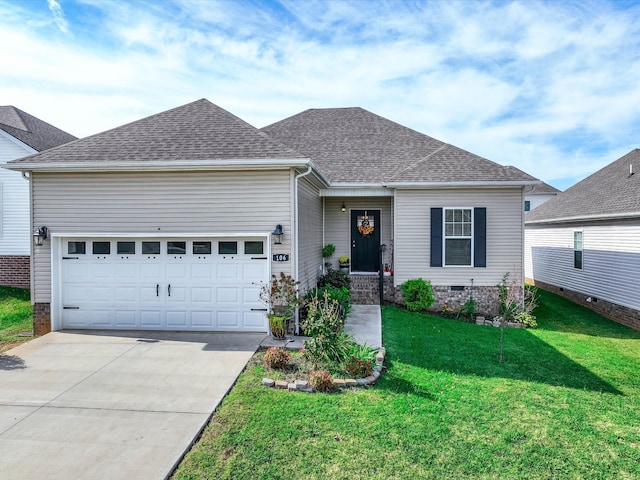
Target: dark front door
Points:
(365, 240)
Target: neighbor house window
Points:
(458, 230)
(527, 205)
(577, 250)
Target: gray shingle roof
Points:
(353, 145)
(610, 192)
(541, 189)
(30, 130)
(197, 131)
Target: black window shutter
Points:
(480, 237)
(436, 237)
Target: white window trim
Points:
(444, 237)
(575, 250)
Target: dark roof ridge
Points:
(441, 148)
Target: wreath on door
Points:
(365, 226)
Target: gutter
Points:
(159, 165)
(583, 218)
(507, 183)
(296, 216)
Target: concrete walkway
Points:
(111, 405)
(363, 322)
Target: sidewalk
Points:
(363, 322)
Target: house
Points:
(536, 195)
(585, 243)
(21, 134)
(173, 221)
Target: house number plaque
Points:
(280, 257)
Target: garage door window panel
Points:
(202, 248)
(228, 248)
(101, 248)
(76, 248)
(126, 248)
(176, 248)
(151, 248)
(253, 248)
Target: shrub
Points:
(359, 359)
(339, 294)
(468, 309)
(324, 318)
(280, 295)
(417, 294)
(512, 306)
(358, 368)
(276, 357)
(335, 278)
(321, 381)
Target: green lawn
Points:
(16, 316)
(565, 403)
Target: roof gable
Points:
(194, 132)
(30, 130)
(609, 193)
(353, 145)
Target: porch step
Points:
(365, 289)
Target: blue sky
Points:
(550, 87)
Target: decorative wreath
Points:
(365, 228)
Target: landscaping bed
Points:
(16, 317)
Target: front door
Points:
(365, 240)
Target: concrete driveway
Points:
(112, 405)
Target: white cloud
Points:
(58, 15)
(549, 87)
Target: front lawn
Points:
(16, 317)
(564, 403)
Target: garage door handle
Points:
(157, 289)
(259, 310)
(169, 289)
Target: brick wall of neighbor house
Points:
(41, 318)
(15, 271)
(618, 313)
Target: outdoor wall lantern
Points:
(277, 234)
(39, 235)
(343, 209)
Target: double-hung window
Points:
(458, 237)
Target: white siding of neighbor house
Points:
(610, 264)
(206, 203)
(309, 234)
(15, 234)
(537, 200)
(338, 223)
(504, 235)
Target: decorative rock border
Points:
(303, 385)
(496, 323)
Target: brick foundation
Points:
(619, 314)
(365, 289)
(41, 318)
(15, 271)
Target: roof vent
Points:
(631, 172)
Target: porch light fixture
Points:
(277, 234)
(343, 209)
(39, 235)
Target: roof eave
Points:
(161, 165)
(474, 184)
(584, 218)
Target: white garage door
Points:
(199, 284)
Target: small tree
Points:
(417, 294)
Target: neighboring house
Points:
(21, 134)
(585, 243)
(168, 222)
(536, 195)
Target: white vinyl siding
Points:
(504, 217)
(15, 234)
(611, 266)
(310, 234)
(206, 203)
(338, 224)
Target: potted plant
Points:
(344, 263)
(327, 251)
(280, 296)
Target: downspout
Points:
(32, 251)
(296, 216)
